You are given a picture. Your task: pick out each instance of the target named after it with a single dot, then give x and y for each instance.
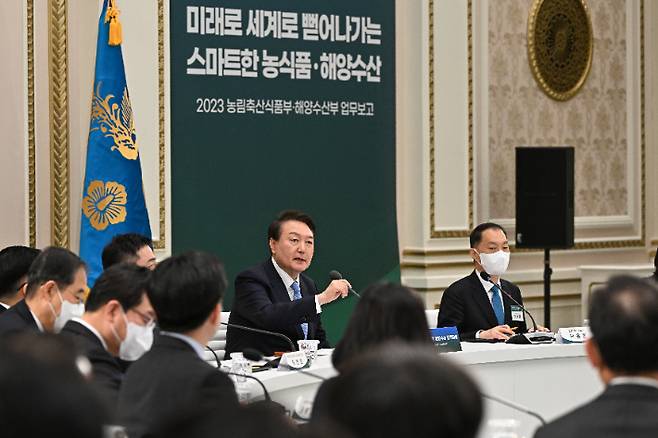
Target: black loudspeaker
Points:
(544, 197)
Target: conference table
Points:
(547, 379)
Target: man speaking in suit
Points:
(276, 296)
(623, 317)
(475, 304)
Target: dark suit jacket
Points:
(262, 301)
(2, 309)
(107, 374)
(465, 304)
(621, 411)
(170, 380)
(17, 319)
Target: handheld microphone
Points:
(514, 406)
(255, 355)
(262, 332)
(335, 275)
(265, 392)
(486, 277)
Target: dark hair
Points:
(623, 317)
(124, 282)
(386, 311)
(655, 264)
(38, 374)
(398, 388)
(123, 248)
(184, 290)
(476, 235)
(54, 263)
(254, 420)
(274, 230)
(15, 261)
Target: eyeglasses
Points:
(147, 320)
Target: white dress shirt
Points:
(288, 281)
(91, 329)
(39, 325)
(488, 286)
(634, 380)
(6, 306)
(198, 348)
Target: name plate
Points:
(446, 339)
(572, 335)
(295, 360)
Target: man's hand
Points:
(540, 328)
(337, 288)
(498, 332)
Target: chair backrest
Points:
(432, 316)
(218, 342)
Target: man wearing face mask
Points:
(55, 291)
(118, 322)
(475, 304)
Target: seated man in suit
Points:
(276, 296)
(186, 292)
(55, 292)
(623, 318)
(129, 248)
(118, 318)
(15, 261)
(475, 304)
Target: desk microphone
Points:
(335, 275)
(515, 406)
(256, 356)
(486, 277)
(262, 332)
(265, 392)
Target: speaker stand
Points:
(547, 287)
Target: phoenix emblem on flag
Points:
(115, 121)
(105, 204)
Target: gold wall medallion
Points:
(560, 44)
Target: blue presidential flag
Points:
(113, 196)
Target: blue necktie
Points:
(297, 295)
(497, 303)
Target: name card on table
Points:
(572, 335)
(446, 339)
(295, 360)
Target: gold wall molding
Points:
(643, 171)
(59, 118)
(31, 145)
(161, 242)
(435, 252)
(434, 265)
(432, 133)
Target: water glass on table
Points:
(310, 347)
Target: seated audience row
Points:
(391, 381)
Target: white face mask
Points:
(495, 263)
(139, 339)
(69, 311)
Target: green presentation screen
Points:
(286, 105)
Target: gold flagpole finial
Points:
(112, 15)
